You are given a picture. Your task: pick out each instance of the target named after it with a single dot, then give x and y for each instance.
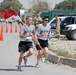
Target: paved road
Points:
(9, 59)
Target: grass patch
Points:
(62, 53)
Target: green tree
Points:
(8, 4)
(66, 4)
(40, 6)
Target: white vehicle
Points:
(53, 21)
(70, 29)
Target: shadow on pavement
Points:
(30, 66)
(8, 69)
(27, 66)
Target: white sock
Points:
(37, 61)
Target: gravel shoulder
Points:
(63, 44)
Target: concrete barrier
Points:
(53, 58)
(62, 60)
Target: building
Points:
(52, 13)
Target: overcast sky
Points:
(51, 2)
(27, 5)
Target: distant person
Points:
(6, 21)
(57, 27)
(25, 44)
(37, 20)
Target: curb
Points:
(62, 60)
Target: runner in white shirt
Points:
(25, 43)
(43, 35)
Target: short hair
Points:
(45, 17)
(28, 17)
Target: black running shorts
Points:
(43, 43)
(24, 46)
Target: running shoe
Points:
(37, 65)
(19, 68)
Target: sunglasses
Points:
(46, 20)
